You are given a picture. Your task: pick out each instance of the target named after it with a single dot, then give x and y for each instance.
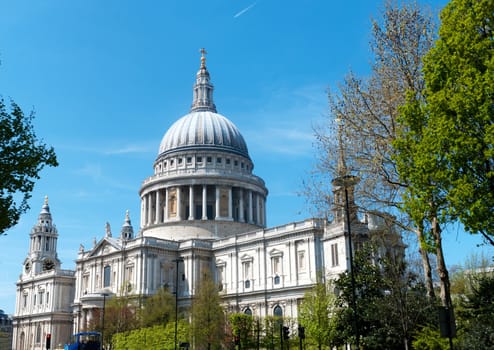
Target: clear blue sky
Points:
(107, 78)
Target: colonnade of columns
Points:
(203, 202)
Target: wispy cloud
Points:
(128, 149)
(240, 13)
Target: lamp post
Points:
(177, 261)
(345, 181)
(103, 319)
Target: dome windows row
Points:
(202, 161)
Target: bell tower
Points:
(44, 290)
(42, 256)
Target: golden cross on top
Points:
(203, 56)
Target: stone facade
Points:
(203, 208)
(44, 291)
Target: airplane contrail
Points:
(240, 13)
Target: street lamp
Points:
(177, 261)
(103, 323)
(345, 181)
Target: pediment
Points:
(275, 253)
(246, 257)
(106, 246)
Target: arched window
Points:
(248, 311)
(278, 311)
(276, 279)
(107, 276)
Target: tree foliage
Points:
(247, 328)
(158, 309)
(453, 127)
(475, 313)
(391, 303)
(22, 156)
(120, 315)
(155, 337)
(208, 318)
(316, 313)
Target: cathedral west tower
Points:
(44, 290)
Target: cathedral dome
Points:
(202, 130)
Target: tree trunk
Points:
(442, 270)
(426, 265)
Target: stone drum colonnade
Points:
(202, 202)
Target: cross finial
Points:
(203, 56)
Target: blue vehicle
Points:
(84, 341)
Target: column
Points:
(191, 202)
(166, 205)
(241, 205)
(250, 208)
(204, 202)
(258, 209)
(230, 202)
(148, 209)
(143, 215)
(264, 221)
(157, 209)
(179, 203)
(217, 202)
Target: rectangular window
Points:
(218, 160)
(247, 270)
(25, 300)
(220, 272)
(189, 160)
(301, 261)
(209, 159)
(47, 244)
(47, 298)
(334, 254)
(199, 159)
(276, 265)
(107, 276)
(85, 280)
(129, 272)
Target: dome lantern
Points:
(203, 89)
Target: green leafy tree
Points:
(247, 328)
(120, 316)
(392, 304)
(458, 114)
(22, 156)
(315, 315)
(475, 314)
(271, 339)
(428, 338)
(208, 318)
(445, 147)
(158, 309)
